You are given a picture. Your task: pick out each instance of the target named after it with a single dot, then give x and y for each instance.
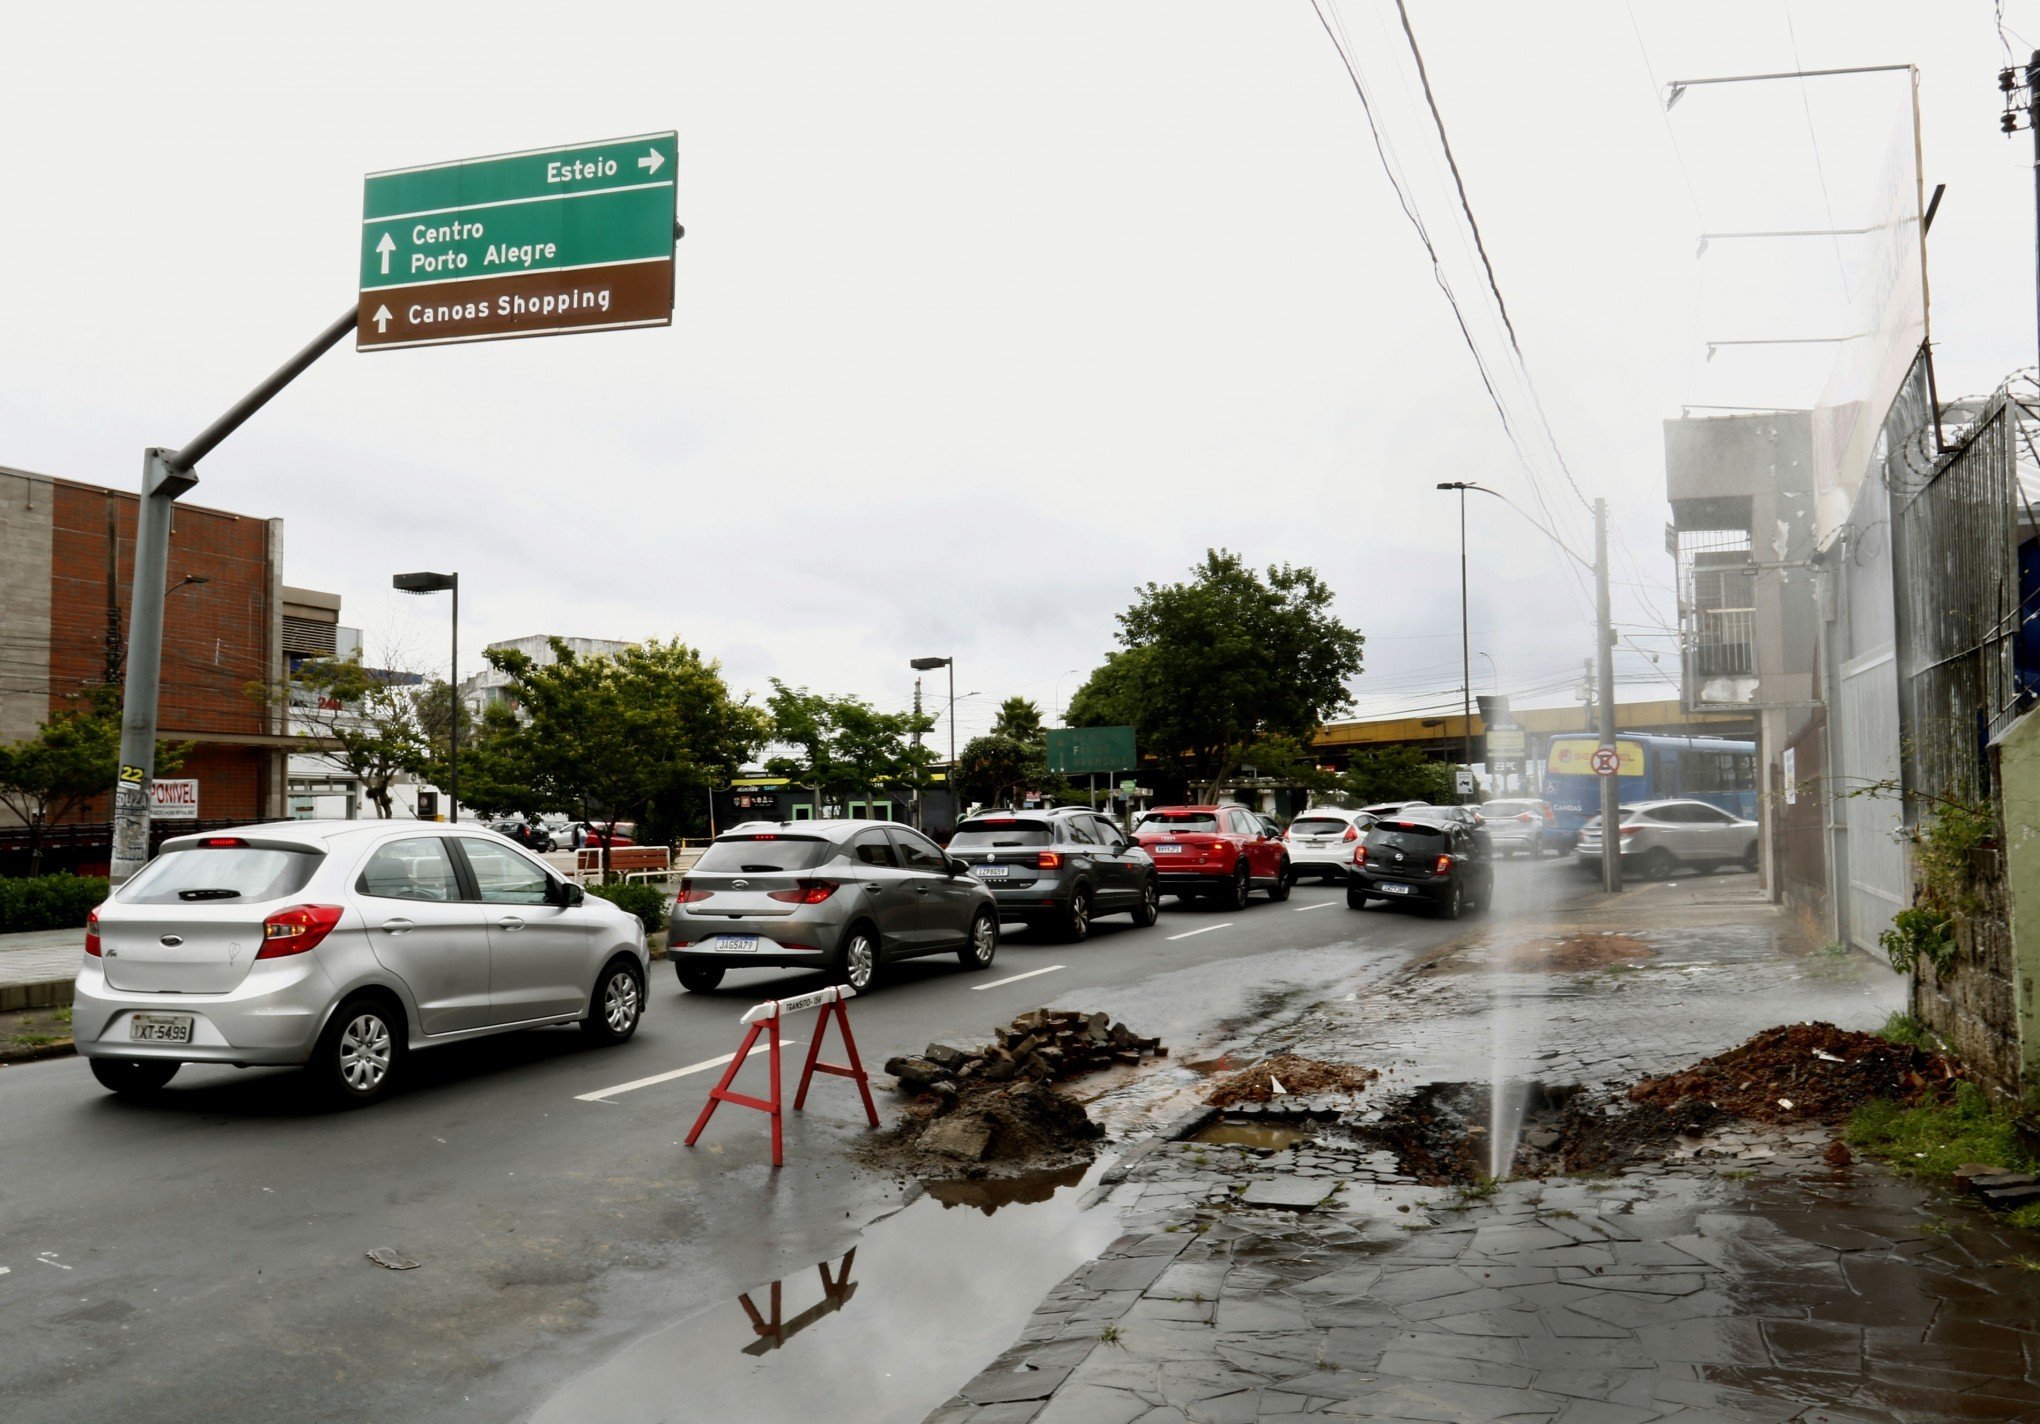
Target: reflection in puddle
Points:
(992, 1193)
(1265, 1136)
(966, 1279)
(777, 1331)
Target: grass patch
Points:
(1480, 1188)
(1904, 1028)
(1109, 1335)
(2026, 1263)
(1932, 1140)
(1740, 1174)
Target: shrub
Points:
(647, 902)
(49, 902)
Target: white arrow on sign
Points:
(651, 161)
(381, 320)
(386, 247)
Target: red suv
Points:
(1217, 851)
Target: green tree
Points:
(1210, 665)
(1019, 719)
(367, 720)
(1398, 774)
(997, 769)
(643, 734)
(72, 758)
(843, 747)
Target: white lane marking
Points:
(702, 1067)
(48, 1258)
(980, 988)
(1320, 905)
(1206, 930)
(6, 1270)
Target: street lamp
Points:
(1604, 629)
(929, 665)
(445, 583)
(1465, 657)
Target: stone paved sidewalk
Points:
(1742, 1278)
(1679, 1293)
(37, 968)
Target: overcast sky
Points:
(986, 313)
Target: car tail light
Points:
(222, 843)
(1360, 855)
(1527, 817)
(804, 892)
(1443, 867)
(1048, 860)
(92, 934)
(1627, 830)
(690, 893)
(297, 929)
(1352, 834)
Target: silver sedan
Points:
(847, 897)
(343, 946)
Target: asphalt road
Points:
(201, 1256)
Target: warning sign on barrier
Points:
(764, 1019)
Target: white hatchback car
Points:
(342, 946)
(1321, 840)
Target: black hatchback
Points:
(1058, 868)
(1444, 864)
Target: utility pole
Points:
(920, 772)
(1465, 653)
(1604, 633)
(167, 474)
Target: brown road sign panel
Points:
(522, 304)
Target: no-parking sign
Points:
(1606, 761)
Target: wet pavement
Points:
(1268, 1274)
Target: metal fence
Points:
(1956, 530)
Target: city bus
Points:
(1712, 769)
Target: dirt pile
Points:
(985, 1127)
(1441, 1133)
(1040, 1045)
(1804, 1073)
(1300, 1076)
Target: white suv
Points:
(343, 946)
(1659, 837)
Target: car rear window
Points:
(1407, 836)
(990, 831)
(1507, 808)
(1179, 821)
(198, 874)
(1317, 826)
(758, 854)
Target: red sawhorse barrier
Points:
(764, 1018)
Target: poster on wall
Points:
(174, 800)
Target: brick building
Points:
(66, 576)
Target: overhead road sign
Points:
(539, 243)
(1078, 750)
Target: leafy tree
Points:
(1210, 665)
(643, 734)
(72, 758)
(434, 706)
(369, 717)
(997, 769)
(844, 747)
(1398, 774)
(1287, 759)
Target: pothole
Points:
(1447, 1133)
(1260, 1136)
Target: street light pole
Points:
(444, 583)
(927, 665)
(1465, 656)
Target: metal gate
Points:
(1869, 822)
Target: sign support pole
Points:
(167, 474)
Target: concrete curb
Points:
(64, 1049)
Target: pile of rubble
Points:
(1039, 1046)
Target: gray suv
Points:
(847, 897)
(1059, 868)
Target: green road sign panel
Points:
(1079, 750)
(578, 238)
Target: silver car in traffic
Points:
(1657, 838)
(343, 946)
(848, 897)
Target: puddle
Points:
(991, 1193)
(1264, 1136)
(886, 1332)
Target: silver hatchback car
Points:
(343, 946)
(844, 896)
